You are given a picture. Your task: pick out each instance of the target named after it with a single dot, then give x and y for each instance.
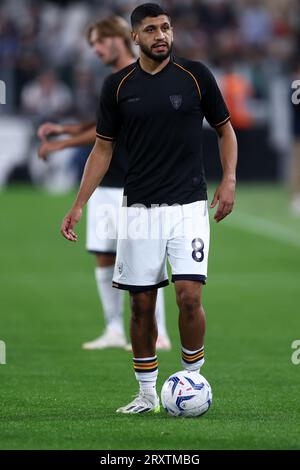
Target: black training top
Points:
(162, 117)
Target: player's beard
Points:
(157, 57)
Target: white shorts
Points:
(102, 220)
(148, 236)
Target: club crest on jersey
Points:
(120, 268)
(176, 101)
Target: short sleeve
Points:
(212, 101)
(107, 118)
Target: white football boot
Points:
(143, 403)
(110, 339)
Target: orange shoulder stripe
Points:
(122, 81)
(193, 77)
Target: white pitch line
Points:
(264, 227)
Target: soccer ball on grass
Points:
(187, 394)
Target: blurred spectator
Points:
(255, 23)
(260, 37)
(85, 96)
(8, 54)
(215, 15)
(237, 91)
(8, 41)
(46, 97)
(28, 63)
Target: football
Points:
(186, 394)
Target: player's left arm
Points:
(217, 115)
(86, 137)
(225, 193)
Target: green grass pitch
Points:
(56, 396)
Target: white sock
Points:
(112, 299)
(160, 313)
(146, 378)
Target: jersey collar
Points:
(156, 74)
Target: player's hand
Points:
(68, 224)
(49, 146)
(49, 128)
(224, 195)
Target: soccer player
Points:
(110, 39)
(160, 102)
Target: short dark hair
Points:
(147, 9)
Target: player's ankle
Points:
(115, 328)
(148, 388)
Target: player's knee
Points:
(188, 302)
(141, 306)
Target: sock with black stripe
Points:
(146, 372)
(192, 360)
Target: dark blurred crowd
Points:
(43, 48)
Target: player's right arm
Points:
(108, 126)
(94, 171)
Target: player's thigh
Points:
(102, 220)
(141, 258)
(188, 248)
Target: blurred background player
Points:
(111, 41)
